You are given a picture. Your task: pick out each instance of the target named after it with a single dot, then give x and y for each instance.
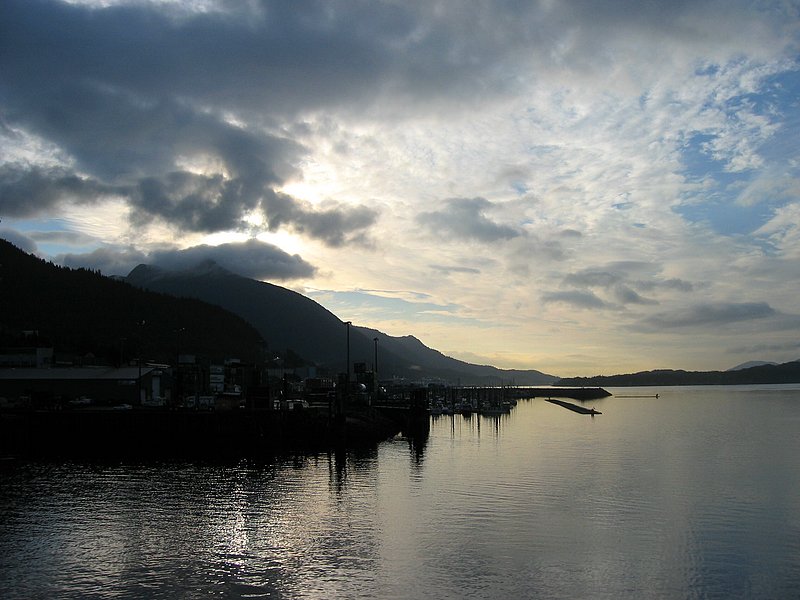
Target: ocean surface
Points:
(695, 494)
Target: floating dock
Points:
(575, 407)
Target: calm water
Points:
(693, 495)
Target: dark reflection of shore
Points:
(341, 461)
(471, 424)
(418, 436)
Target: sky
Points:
(579, 187)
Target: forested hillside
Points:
(82, 313)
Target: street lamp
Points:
(141, 325)
(375, 366)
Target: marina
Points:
(241, 423)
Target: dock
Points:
(575, 407)
(582, 393)
(159, 432)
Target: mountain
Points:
(767, 373)
(84, 314)
(288, 320)
(420, 357)
(751, 363)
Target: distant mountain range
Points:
(212, 312)
(288, 320)
(751, 363)
(760, 373)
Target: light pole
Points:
(281, 362)
(375, 372)
(141, 325)
(347, 326)
(178, 374)
(346, 391)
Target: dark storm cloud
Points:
(280, 58)
(295, 56)
(284, 57)
(139, 146)
(134, 96)
(334, 224)
(711, 315)
(128, 93)
(253, 259)
(28, 191)
(464, 218)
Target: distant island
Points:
(763, 373)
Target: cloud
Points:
(20, 240)
(108, 260)
(67, 238)
(712, 315)
(464, 218)
(616, 279)
(446, 270)
(172, 158)
(626, 295)
(349, 52)
(576, 298)
(253, 259)
(335, 224)
(673, 283)
(592, 278)
(30, 191)
(767, 349)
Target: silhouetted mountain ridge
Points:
(765, 373)
(751, 363)
(82, 313)
(413, 350)
(289, 320)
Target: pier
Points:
(582, 393)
